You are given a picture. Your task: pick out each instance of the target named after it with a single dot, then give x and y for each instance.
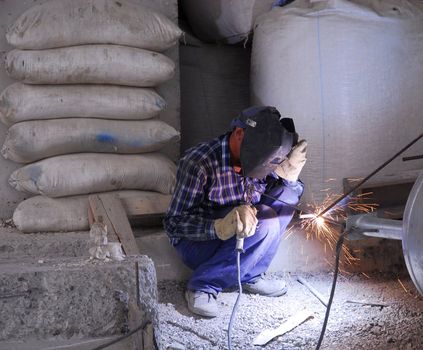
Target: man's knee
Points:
(268, 220)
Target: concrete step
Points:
(17, 245)
(75, 298)
(71, 344)
(152, 242)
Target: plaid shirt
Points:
(205, 183)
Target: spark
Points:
(320, 221)
(322, 227)
(365, 275)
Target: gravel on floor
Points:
(397, 324)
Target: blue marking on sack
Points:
(34, 172)
(106, 138)
(161, 104)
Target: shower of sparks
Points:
(321, 228)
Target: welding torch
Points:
(329, 207)
(311, 215)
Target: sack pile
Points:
(82, 114)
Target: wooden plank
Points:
(100, 214)
(268, 334)
(148, 337)
(91, 218)
(135, 317)
(135, 313)
(119, 220)
(145, 205)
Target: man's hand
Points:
(241, 221)
(291, 167)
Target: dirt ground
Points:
(398, 325)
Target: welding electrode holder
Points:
(239, 247)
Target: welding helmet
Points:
(268, 139)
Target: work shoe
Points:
(201, 303)
(268, 288)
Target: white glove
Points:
(291, 167)
(241, 221)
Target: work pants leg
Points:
(214, 262)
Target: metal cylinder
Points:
(372, 226)
(409, 231)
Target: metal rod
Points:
(313, 291)
(369, 176)
(309, 214)
(381, 305)
(405, 159)
(15, 295)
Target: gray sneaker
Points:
(268, 288)
(201, 303)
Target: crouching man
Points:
(220, 195)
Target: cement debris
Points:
(351, 325)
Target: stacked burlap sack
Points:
(82, 114)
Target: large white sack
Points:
(78, 22)
(227, 21)
(90, 64)
(84, 173)
(29, 141)
(20, 102)
(44, 214)
(351, 76)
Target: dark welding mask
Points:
(268, 139)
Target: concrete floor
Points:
(352, 326)
(397, 325)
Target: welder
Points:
(219, 198)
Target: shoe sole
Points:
(279, 293)
(195, 311)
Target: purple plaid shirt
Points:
(206, 183)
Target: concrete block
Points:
(17, 245)
(68, 344)
(76, 298)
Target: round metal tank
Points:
(412, 236)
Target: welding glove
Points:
(240, 221)
(291, 167)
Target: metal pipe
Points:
(372, 226)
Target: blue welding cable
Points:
(235, 307)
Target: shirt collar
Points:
(226, 155)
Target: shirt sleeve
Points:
(185, 218)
